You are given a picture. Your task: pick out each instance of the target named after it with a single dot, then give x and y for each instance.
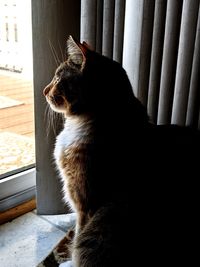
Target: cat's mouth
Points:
(56, 100)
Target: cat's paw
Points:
(66, 264)
(70, 234)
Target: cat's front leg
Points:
(82, 218)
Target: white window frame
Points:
(18, 188)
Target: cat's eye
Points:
(59, 72)
(56, 80)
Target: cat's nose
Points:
(46, 89)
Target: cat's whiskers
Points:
(61, 52)
(52, 119)
(54, 53)
(47, 118)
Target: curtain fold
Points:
(184, 63)
(99, 26)
(156, 58)
(194, 91)
(145, 50)
(132, 40)
(158, 44)
(108, 27)
(118, 30)
(169, 60)
(88, 21)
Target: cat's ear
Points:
(76, 53)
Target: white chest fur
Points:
(75, 131)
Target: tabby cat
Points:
(132, 184)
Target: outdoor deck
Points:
(17, 119)
(16, 122)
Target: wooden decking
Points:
(17, 147)
(17, 119)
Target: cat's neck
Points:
(78, 128)
(78, 120)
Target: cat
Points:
(133, 184)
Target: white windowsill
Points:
(27, 240)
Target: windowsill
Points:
(28, 239)
(17, 211)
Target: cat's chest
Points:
(74, 134)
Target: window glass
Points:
(16, 87)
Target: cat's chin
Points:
(66, 264)
(57, 109)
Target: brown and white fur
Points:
(70, 152)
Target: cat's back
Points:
(175, 148)
(134, 234)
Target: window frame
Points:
(17, 188)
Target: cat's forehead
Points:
(63, 71)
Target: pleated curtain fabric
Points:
(158, 43)
(169, 61)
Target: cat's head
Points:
(89, 83)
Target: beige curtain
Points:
(158, 43)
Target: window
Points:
(7, 32)
(17, 142)
(16, 32)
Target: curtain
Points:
(158, 44)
